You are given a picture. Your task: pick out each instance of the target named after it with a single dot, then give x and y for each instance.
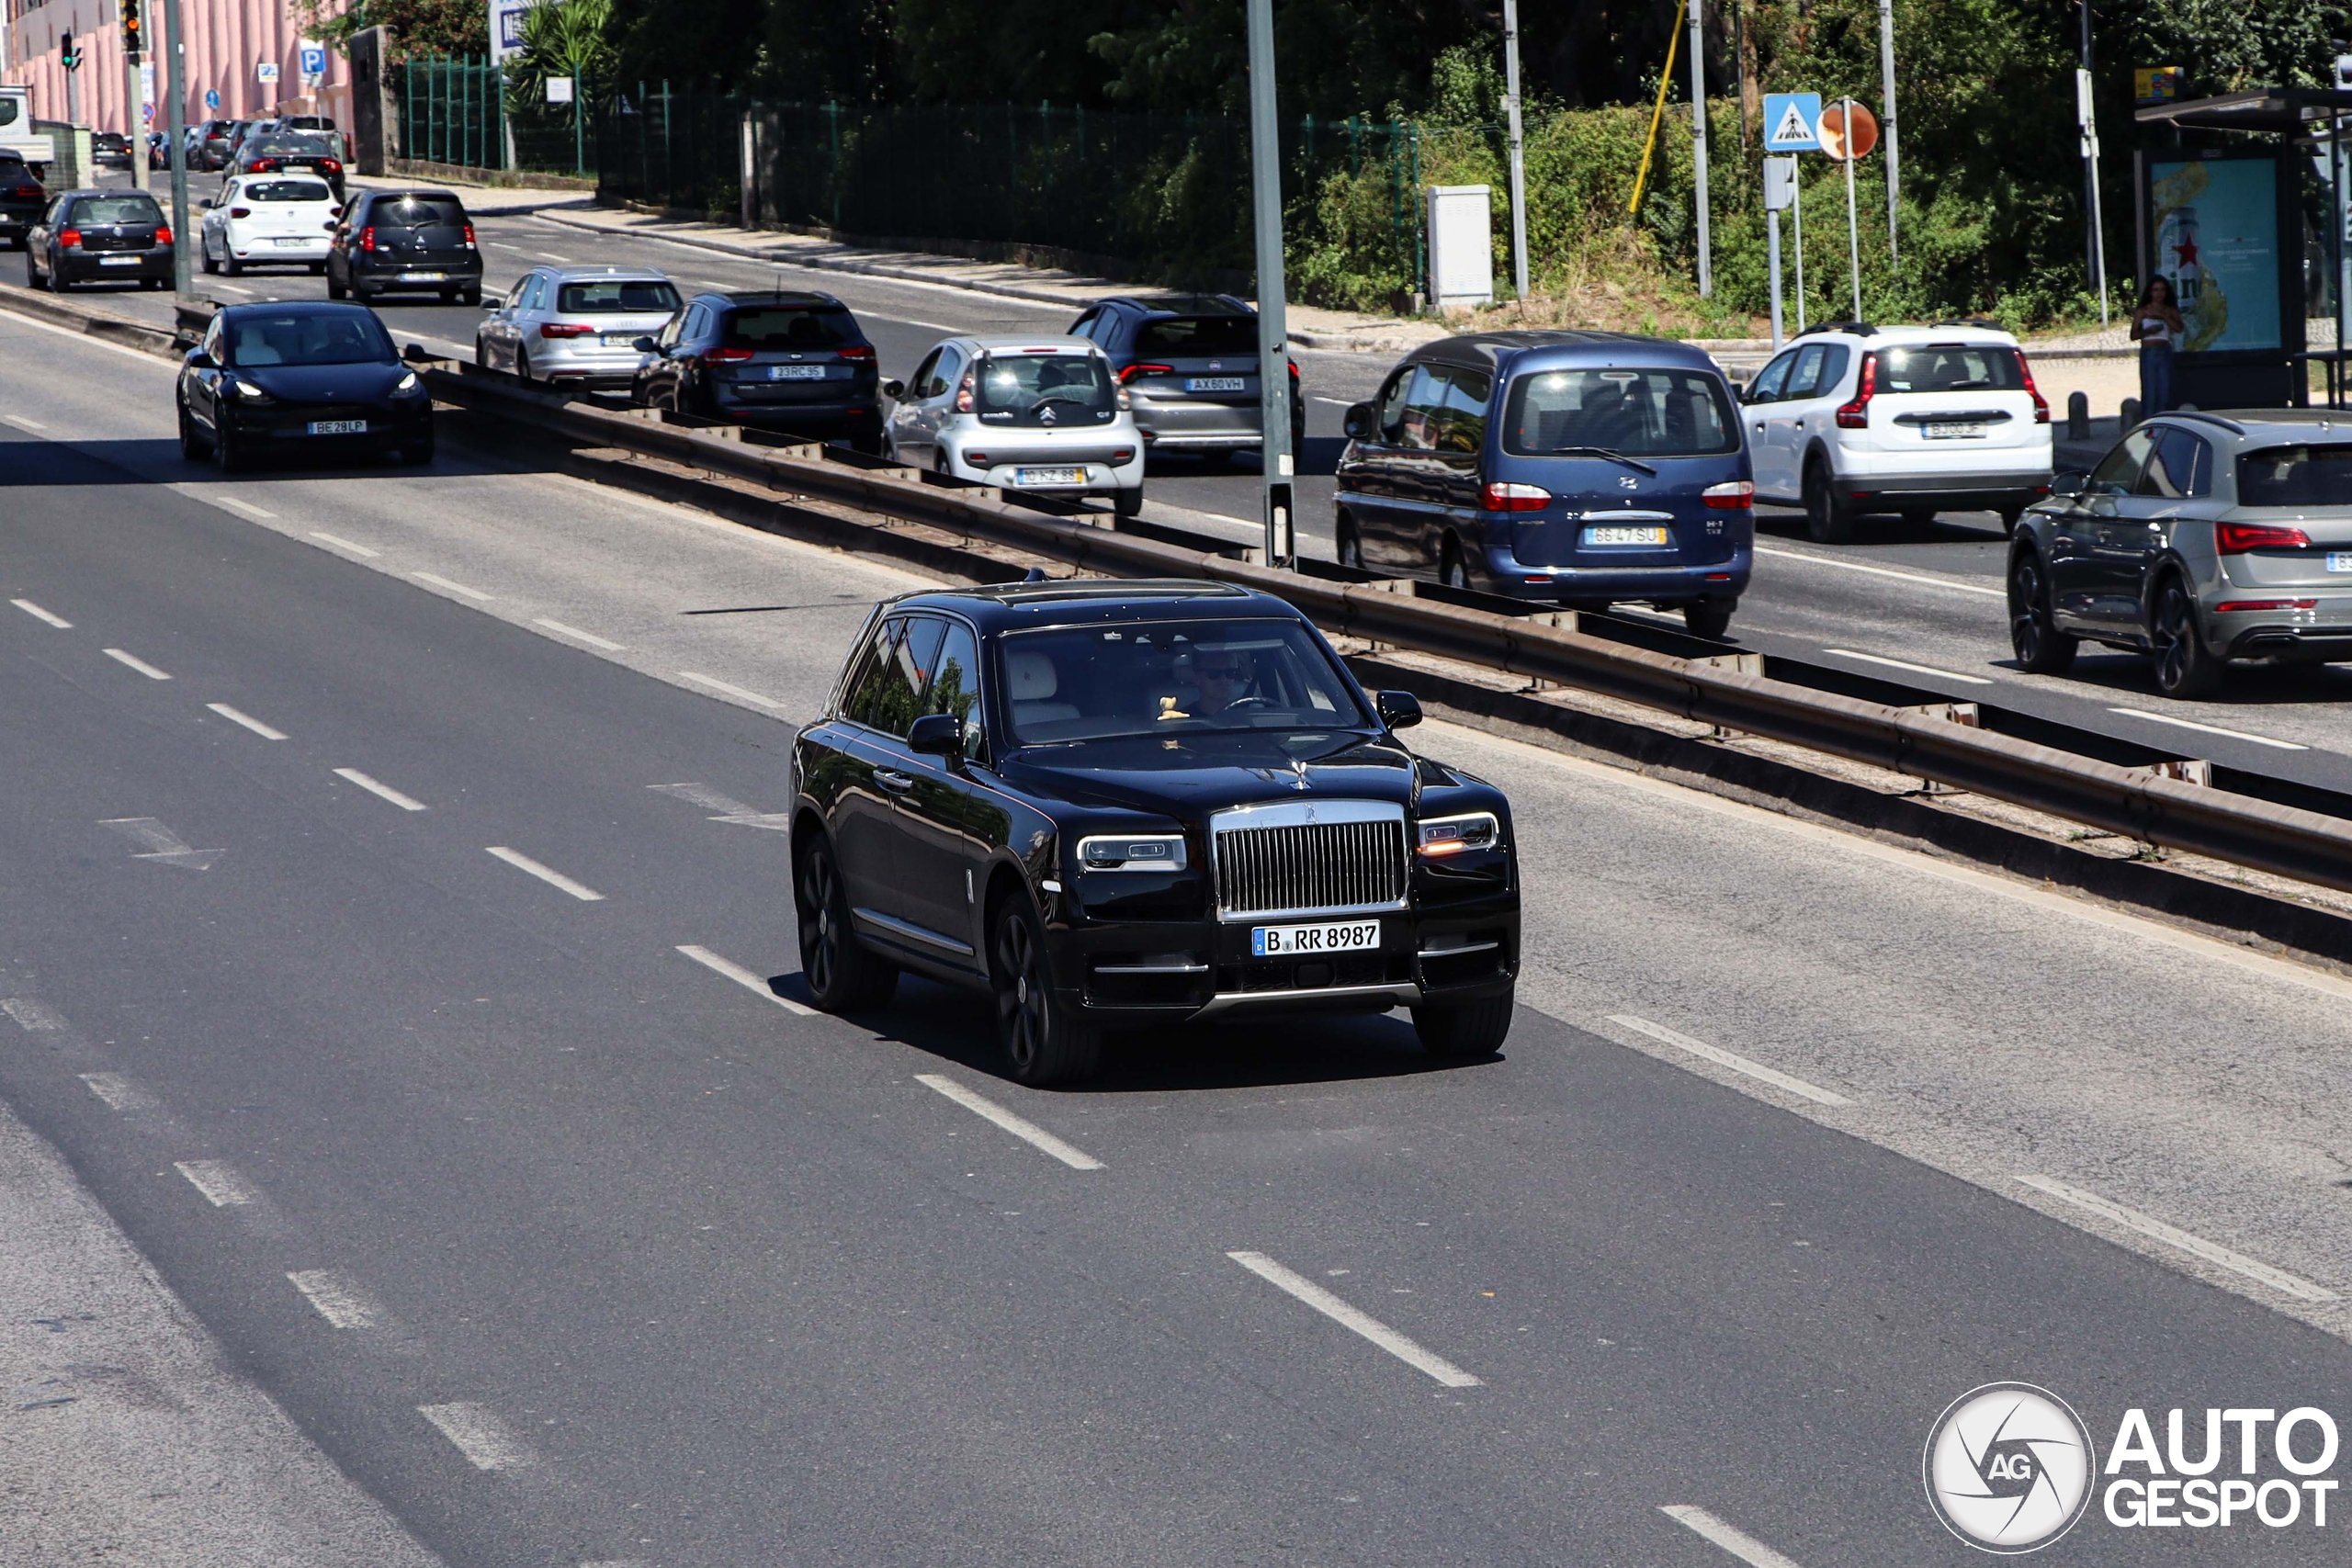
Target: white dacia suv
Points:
(1853, 419)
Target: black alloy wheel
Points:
(228, 451)
(1351, 551)
(2185, 666)
(193, 447)
(1827, 520)
(1043, 1044)
(841, 977)
(1467, 1029)
(2041, 647)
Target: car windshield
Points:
(1951, 367)
(1045, 389)
(786, 329)
(1071, 684)
(614, 296)
(286, 190)
(118, 210)
(339, 337)
(2296, 476)
(1641, 413)
(1181, 336)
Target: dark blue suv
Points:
(1577, 468)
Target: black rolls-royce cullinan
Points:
(1120, 803)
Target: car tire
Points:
(1827, 521)
(1708, 617)
(1464, 1029)
(2185, 668)
(1349, 552)
(2041, 647)
(470, 297)
(151, 284)
(1452, 571)
(229, 261)
(33, 278)
(1043, 1044)
(193, 447)
(523, 366)
(2009, 515)
(1918, 517)
(228, 451)
(482, 351)
(840, 975)
(1127, 502)
(419, 454)
(204, 257)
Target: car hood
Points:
(1190, 776)
(325, 383)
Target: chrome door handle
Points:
(892, 781)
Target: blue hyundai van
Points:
(1582, 469)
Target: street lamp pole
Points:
(1699, 141)
(1273, 355)
(176, 143)
(1517, 150)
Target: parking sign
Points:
(314, 59)
(1792, 122)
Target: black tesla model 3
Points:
(296, 377)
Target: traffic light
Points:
(134, 28)
(69, 53)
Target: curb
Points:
(162, 342)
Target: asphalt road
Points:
(603, 1258)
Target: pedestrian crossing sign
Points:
(1792, 122)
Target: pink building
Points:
(227, 39)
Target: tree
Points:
(562, 38)
(417, 26)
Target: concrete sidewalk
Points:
(481, 201)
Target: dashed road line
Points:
(247, 507)
(221, 1186)
(2172, 1236)
(1914, 669)
(256, 725)
(22, 423)
(343, 544)
(135, 662)
(2209, 728)
(1021, 1127)
(591, 638)
(452, 587)
(381, 791)
(30, 1014)
(340, 1302)
(743, 978)
(38, 614)
(479, 1435)
(118, 1093)
(715, 685)
(553, 878)
(1731, 1059)
(1738, 1543)
(1363, 1323)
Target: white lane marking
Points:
(1731, 1059)
(1914, 669)
(137, 663)
(452, 587)
(247, 507)
(579, 890)
(382, 791)
(30, 1014)
(346, 544)
(549, 255)
(162, 843)
(1340, 1312)
(38, 614)
(743, 978)
(116, 1091)
(233, 288)
(1335, 402)
(22, 423)
(479, 1435)
(223, 1187)
(2208, 729)
(1686, 799)
(2171, 1235)
(591, 638)
(1021, 1127)
(340, 1302)
(717, 684)
(503, 246)
(1885, 572)
(256, 725)
(727, 808)
(1738, 1543)
(929, 326)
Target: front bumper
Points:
(282, 426)
(1679, 584)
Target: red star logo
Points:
(2187, 251)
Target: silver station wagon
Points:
(2202, 540)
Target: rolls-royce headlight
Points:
(1132, 851)
(1441, 836)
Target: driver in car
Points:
(1223, 676)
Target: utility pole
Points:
(1887, 113)
(1273, 352)
(1518, 149)
(1699, 141)
(2094, 242)
(134, 50)
(175, 142)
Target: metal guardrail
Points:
(2072, 773)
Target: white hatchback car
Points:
(1853, 419)
(1029, 413)
(268, 220)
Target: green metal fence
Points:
(457, 111)
(1168, 193)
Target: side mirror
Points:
(1359, 422)
(200, 360)
(1398, 710)
(2067, 482)
(936, 735)
(646, 345)
(493, 302)
(206, 204)
(893, 390)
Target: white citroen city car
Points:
(268, 220)
(1029, 413)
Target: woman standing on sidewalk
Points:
(2157, 328)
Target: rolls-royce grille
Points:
(1310, 866)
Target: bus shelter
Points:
(2250, 231)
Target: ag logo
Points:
(2009, 1468)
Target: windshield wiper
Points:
(1602, 452)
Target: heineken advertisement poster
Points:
(2217, 240)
